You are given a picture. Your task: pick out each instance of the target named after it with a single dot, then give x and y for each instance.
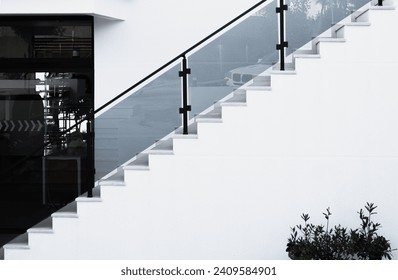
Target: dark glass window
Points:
(46, 88)
(30, 37)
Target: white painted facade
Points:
(323, 135)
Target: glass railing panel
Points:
(308, 19)
(137, 122)
(234, 58)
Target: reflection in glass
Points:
(307, 19)
(46, 89)
(30, 38)
(137, 122)
(233, 59)
(38, 108)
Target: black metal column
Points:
(185, 71)
(380, 3)
(282, 43)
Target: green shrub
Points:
(317, 242)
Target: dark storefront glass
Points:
(46, 88)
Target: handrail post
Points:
(185, 71)
(282, 43)
(90, 158)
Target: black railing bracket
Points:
(185, 71)
(282, 43)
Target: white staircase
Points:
(323, 133)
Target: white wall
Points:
(324, 137)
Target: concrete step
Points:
(64, 217)
(140, 162)
(18, 243)
(162, 147)
(362, 15)
(213, 115)
(116, 179)
(382, 8)
(319, 40)
(289, 66)
(238, 98)
(192, 131)
(338, 29)
(261, 81)
(45, 226)
(69, 211)
(96, 196)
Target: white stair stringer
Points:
(294, 141)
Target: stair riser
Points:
(206, 130)
(181, 146)
(356, 51)
(64, 225)
(234, 114)
(107, 192)
(361, 16)
(281, 79)
(12, 254)
(136, 178)
(85, 209)
(303, 65)
(38, 240)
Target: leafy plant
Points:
(319, 242)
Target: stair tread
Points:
(392, 7)
(185, 136)
(192, 130)
(329, 39)
(259, 88)
(141, 162)
(305, 51)
(237, 99)
(261, 81)
(284, 72)
(357, 23)
(20, 242)
(209, 120)
(116, 179)
(69, 210)
(307, 55)
(215, 113)
(162, 147)
(96, 196)
(232, 104)
(44, 226)
(112, 183)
